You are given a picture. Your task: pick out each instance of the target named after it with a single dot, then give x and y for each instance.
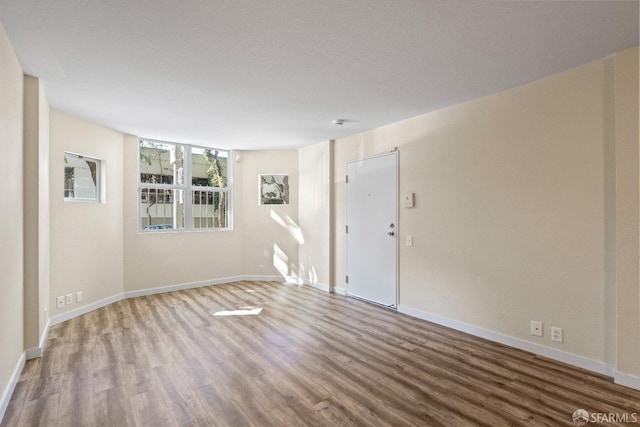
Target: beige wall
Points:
(513, 215)
(36, 211)
(44, 212)
(270, 232)
(11, 189)
(86, 238)
(153, 260)
(315, 214)
(627, 217)
(527, 207)
(201, 256)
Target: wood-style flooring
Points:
(275, 354)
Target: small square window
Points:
(81, 178)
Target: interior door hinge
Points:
(346, 229)
(347, 179)
(346, 279)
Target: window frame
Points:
(187, 187)
(98, 179)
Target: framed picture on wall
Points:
(273, 189)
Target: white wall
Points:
(36, 211)
(512, 211)
(158, 259)
(155, 260)
(315, 214)
(270, 232)
(44, 213)
(11, 221)
(86, 238)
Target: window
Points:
(183, 187)
(81, 178)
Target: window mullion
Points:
(188, 190)
(179, 209)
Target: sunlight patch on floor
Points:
(240, 312)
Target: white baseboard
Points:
(33, 353)
(54, 320)
(341, 291)
(11, 386)
(36, 352)
(45, 332)
(621, 378)
(325, 287)
(180, 287)
(321, 286)
(265, 279)
(627, 380)
(191, 285)
(551, 353)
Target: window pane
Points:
(209, 209)
(81, 177)
(209, 167)
(68, 181)
(161, 209)
(170, 187)
(161, 162)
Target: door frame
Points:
(396, 154)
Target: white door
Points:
(372, 229)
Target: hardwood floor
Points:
(307, 358)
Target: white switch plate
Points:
(536, 328)
(78, 296)
(407, 200)
(409, 240)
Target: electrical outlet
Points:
(261, 268)
(536, 328)
(59, 302)
(556, 334)
(69, 299)
(78, 296)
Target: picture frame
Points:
(273, 189)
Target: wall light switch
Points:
(407, 200)
(409, 240)
(536, 328)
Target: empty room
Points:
(319, 213)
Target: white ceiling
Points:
(276, 73)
